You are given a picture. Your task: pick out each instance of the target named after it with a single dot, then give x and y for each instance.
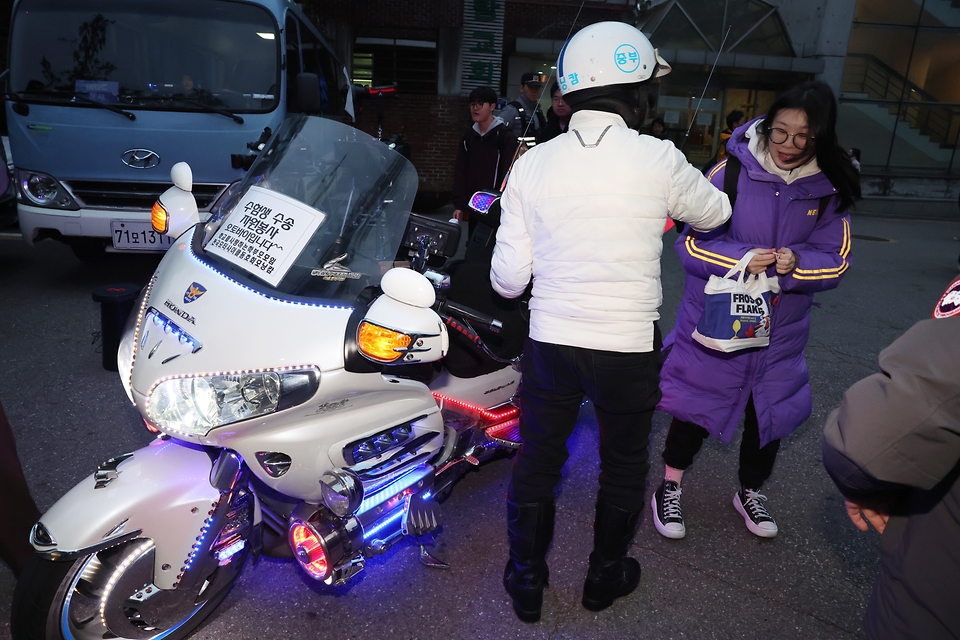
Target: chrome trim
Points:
(40, 535)
(107, 472)
(56, 555)
(117, 529)
(226, 470)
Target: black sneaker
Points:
(749, 504)
(666, 510)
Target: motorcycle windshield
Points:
(320, 215)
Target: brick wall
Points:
(551, 20)
(433, 125)
(414, 19)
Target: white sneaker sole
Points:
(671, 530)
(769, 531)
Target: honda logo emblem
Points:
(140, 158)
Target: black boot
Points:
(530, 529)
(611, 573)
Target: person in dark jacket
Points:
(523, 115)
(484, 155)
(893, 450)
(658, 129)
(20, 511)
(794, 184)
(558, 115)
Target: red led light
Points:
(497, 414)
(308, 550)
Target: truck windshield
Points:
(171, 55)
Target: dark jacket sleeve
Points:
(460, 195)
(901, 427)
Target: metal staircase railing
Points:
(866, 74)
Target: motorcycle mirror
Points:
(483, 201)
(176, 209)
(182, 176)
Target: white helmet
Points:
(607, 54)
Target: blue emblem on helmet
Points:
(193, 292)
(627, 58)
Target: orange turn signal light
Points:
(159, 218)
(381, 344)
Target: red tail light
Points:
(309, 550)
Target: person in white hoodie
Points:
(583, 215)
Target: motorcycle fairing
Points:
(315, 433)
(489, 390)
(173, 478)
(235, 327)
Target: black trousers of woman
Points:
(756, 463)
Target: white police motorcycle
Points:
(290, 369)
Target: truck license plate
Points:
(129, 234)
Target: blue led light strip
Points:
(189, 244)
(171, 327)
(380, 527)
(392, 489)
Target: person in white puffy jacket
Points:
(584, 215)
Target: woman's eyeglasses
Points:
(779, 136)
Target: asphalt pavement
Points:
(812, 581)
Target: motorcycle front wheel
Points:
(110, 594)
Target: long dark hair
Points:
(816, 99)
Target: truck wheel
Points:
(110, 594)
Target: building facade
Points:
(894, 65)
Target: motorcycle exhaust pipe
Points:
(321, 542)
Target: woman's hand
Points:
(461, 215)
(763, 259)
(786, 261)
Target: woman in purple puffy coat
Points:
(791, 167)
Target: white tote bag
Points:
(736, 312)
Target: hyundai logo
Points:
(140, 158)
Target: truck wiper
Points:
(76, 96)
(208, 108)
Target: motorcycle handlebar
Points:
(483, 319)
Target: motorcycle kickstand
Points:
(428, 559)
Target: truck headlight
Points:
(44, 190)
(196, 404)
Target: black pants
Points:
(756, 463)
(624, 388)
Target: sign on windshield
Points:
(265, 233)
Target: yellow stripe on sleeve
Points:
(832, 272)
(717, 168)
(707, 256)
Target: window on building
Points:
(899, 100)
(701, 25)
(412, 64)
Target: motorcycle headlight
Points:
(196, 404)
(44, 191)
(342, 491)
